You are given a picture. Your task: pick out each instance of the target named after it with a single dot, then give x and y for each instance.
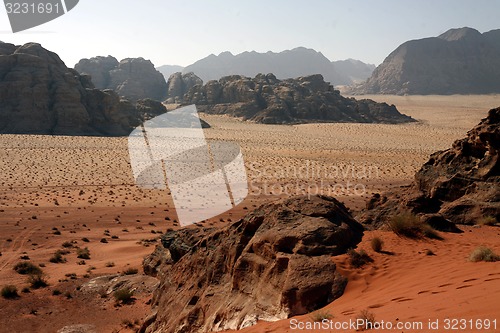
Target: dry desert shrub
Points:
(368, 319)
(377, 243)
(27, 267)
(409, 225)
(483, 253)
(123, 296)
(9, 292)
(358, 259)
(37, 281)
(487, 220)
(321, 315)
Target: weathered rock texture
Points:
(40, 95)
(459, 185)
(272, 264)
(460, 61)
(265, 99)
(178, 84)
(132, 78)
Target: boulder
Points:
(460, 184)
(178, 84)
(272, 264)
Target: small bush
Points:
(131, 271)
(83, 253)
(358, 259)
(56, 292)
(9, 292)
(37, 281)
(124, 296)
(368, 319)
(110, 264)
(57, 257)
(103, 240)
(406, 225)
(67, 244)
(85, 240)
(487, 220)
(27, 267)
(377, 244)
(25, 290)
(320, 316)
(483, 253)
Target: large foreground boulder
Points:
(40, 95)
(265, 99)
(273, 264)
(461, 184)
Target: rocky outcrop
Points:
(460, 184)
(40, 95)
(179, 84)
(272, 264)
(98, 68)
(265, 99)
(132, 78)
(460, 61)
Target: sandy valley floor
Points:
(64, 189)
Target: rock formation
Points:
(40, 95)
(132, 78)
(460, 61)
(265, 99)
(299, 61)
(179, 84)
(272, 264)
(459, 185)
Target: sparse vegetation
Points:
(27, 267)
(37, 281)
(320, 316)
(368, 319)
(483, 253)
(124, 296)
(67, 244)
(9, 292)
(57, 257)
(56, 292)
(409, 225)
(85, 240)
(358, 259)
(103, 240)
(377, 243)
(110, 264)
(131, 271)
(429, 253)
(487, 220)
(83, 253)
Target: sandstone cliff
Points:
(40, 95)
(132, 78)
(265, 99)
(460, 61)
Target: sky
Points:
(171, 32)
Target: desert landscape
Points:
(65, 194)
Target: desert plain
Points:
(80, 191)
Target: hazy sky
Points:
(181, 32)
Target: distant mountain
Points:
(460, 61)
(287, 64)
(168, 70)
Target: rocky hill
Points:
(40, 95)
(459, 185)
(272, 264)
(132, 78)
(460, 61)
(287, 64)
(265, 99)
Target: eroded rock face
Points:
(40, 95)
(132, 78)
(178, 84)
(272, 264)
(461, 184)
(460, 61)
(265, 99)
